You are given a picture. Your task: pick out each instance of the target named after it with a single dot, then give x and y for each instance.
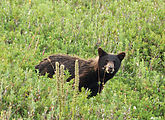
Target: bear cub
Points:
(93, 73)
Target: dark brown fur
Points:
(90, 71)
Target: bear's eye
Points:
(106, 60)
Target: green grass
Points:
(31, 31)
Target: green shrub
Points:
(34, 29)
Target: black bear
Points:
(93, 73)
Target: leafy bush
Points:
(32, 30)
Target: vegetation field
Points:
(31, 30)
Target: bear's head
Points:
(109, 64)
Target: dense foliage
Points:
(31, 30)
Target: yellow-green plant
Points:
(60, 87)
(76, 88)
(62, 97)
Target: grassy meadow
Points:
(31, 30)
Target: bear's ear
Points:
(101, 52)
(121, 56)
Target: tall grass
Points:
(33, 30)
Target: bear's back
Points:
(48, 64)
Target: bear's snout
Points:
(109, 67)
